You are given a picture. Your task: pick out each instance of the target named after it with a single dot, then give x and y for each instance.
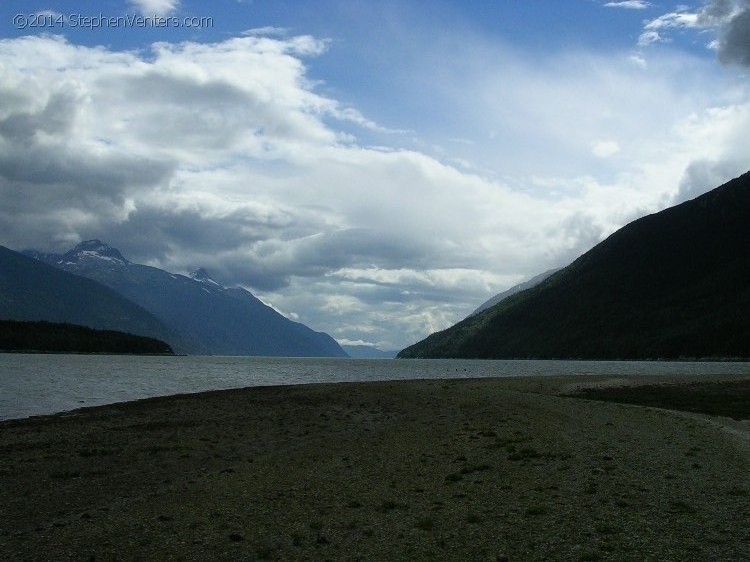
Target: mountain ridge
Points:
(666, 286)
(533, 282)
(217, 320)
(31, 290)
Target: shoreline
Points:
(73, 396)
(479, 468)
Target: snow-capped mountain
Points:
(31, 290)
(96, 250)
(202, 276)
(211, 318)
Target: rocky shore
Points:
(483, 469)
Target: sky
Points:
(375, 170)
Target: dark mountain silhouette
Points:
(675, 284)
(31, 290)
(48, 337)
(219, 320)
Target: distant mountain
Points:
(48, 337)
(221, 321)
(31, 290)
(533, 282)
(368, 352)
(675, 284)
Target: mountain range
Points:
(33, 291)
(199, 315)
(674, 284)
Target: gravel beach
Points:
(484, 469)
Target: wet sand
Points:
(480, 469)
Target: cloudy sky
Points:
(375, 170)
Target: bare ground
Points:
(480, 469)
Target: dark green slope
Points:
(48, 337)
(31, 291)
(675, 284)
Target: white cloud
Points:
(227, 156)
(638, 60)
(605, 148)
(155, 7)
(729, 19)
(269, 31)
(629, 5)
(653, 30)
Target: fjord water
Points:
(33, 385)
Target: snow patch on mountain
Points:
(94, 249)
(202, 276)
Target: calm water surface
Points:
(42, 384)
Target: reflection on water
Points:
(42, 384)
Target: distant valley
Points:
(368, 352)
(672, 285)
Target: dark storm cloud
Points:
(42, 170)
(734, 40)
(48, 184)
(730, 19)
(704, 175)
(270, 264)
(716, 12)
(54, 118)
(154, 233)
(257, 249)
(90, 144)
